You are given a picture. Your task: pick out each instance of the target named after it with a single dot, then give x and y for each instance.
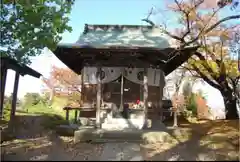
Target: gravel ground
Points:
(34, 143)
(121, 152)
(50, 148)
(192, 146)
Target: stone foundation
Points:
(118, 122)
(101, 135)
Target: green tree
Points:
(31, 99)
(29, 26)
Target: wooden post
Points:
(82, 86)
(67, 114)
(76, 117)
(121, 101)
(141, 92)
(145, 95)
(14, 95)
(160, 96)
(175, 119)
(98, 106)
(3, 84)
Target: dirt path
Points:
(121, 152)
(35, 143)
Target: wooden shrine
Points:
(123, 70)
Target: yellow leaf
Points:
(192, 15)
(224, 36)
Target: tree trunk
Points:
(230, 103)
(51, 95)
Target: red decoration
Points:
(138, 101)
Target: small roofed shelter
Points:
(138, 55)
(20, 69)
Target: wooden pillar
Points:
(175, 119)
(67, 114)
(3, 84)
(14, 95)
(145, 95)
(82, 86)
(160, 95)
(98, 105)
(121, 100)
(76, 116)
(141, 92)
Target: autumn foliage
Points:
(64, 83)
(199, 24)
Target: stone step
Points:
(108, 136)
(127, 135)
(108, 140)
(123, 121)
(117, 126)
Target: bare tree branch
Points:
(211, 28)
(147, 18)
(148, 21)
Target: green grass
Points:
(52, 116)
(59, 102)
(42, 109)
(55, 109)
(55, 112)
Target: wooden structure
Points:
(129, 53)
(20, 69)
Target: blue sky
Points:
(91, 12)
(108, 12)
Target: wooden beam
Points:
(98, 106)
(14, 95)
(21, 68)
(145, 95)
(116, 62)
(3, 84)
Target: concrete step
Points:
(108, 136)
(116, 126)
(127, 135)
(121, 123)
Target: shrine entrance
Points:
(124, 94)
(106, 53)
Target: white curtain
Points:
(108, 74)
(135, 75)
(155, 76)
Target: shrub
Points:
(31, 99)
(191, 104)
(54, 121)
